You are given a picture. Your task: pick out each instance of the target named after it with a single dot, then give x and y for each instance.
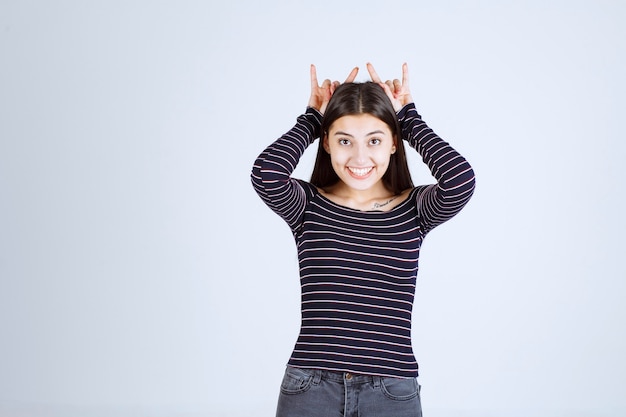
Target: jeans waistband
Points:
(344, 377)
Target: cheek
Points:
(338, 155)
(383, 157)
(337, 164)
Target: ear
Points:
(325, 143)
(393, 148)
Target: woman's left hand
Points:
(397, 91)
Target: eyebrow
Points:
(375, 132)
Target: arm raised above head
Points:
(455, 177)
(271, 172)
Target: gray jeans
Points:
(318, 393)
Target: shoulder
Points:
(419, 190)
(309, 189)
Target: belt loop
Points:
(317, 376)
(376, 381)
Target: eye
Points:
(344, 142)
(375, 141)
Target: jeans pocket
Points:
(400, 389)
(296, 381)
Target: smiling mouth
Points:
(360, 172)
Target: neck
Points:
(378, 195)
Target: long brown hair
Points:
(363, 98)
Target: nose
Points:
(360, 154)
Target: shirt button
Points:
(348, 376)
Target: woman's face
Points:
(360, 147)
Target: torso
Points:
(358, 272)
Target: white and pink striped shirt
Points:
(358, 268)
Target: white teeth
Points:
(360, 171)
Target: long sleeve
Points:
(439, 202)
(271, 173)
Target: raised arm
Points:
(271, 172)
(455, 178)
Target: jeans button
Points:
(348, 376)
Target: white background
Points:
(140, 275)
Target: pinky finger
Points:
(352, 75)
(373, 74)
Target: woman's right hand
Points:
(321, 94)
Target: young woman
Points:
(358, 226)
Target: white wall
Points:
(141, 275)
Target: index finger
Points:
(314, 83)
(373, 74)
(405, 74)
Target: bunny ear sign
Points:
(352, 75)
(373, 73)
(313, 77)
(405, 75)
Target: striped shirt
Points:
(358, 268)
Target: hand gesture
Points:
(321, 94)
(397, 91)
